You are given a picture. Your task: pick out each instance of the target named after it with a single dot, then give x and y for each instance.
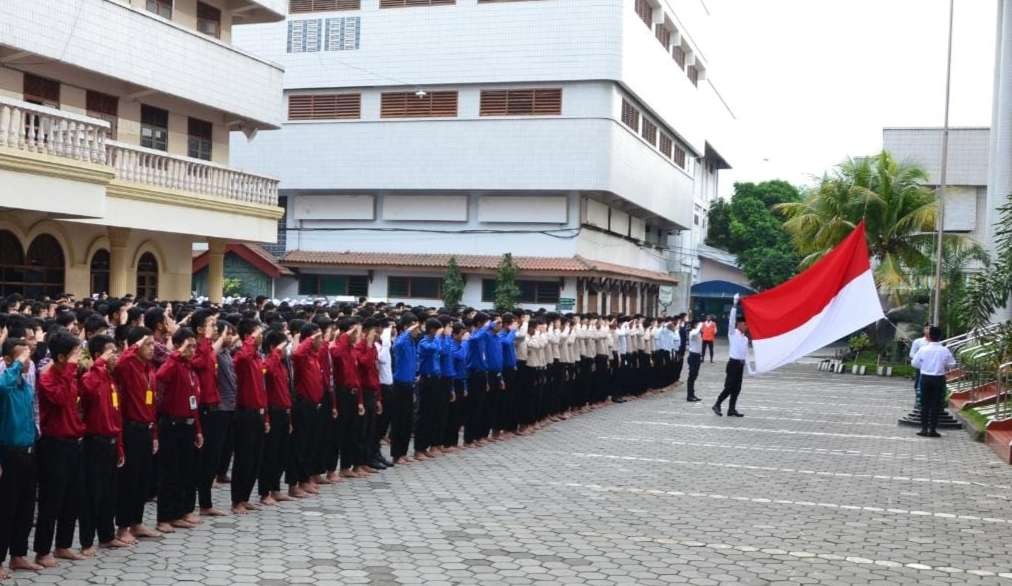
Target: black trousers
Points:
(932, 391)
(248, 437)
(17, 501)
(177, 463)
(225, 462)
(276, 452)
(383, 419)
(603, 383)
(732, 383)
(455, 413)
(215, 426)
(444, 387)
(59, 493)
(679, 361)
(132, 478)
(328, 442)
(707, 344)
(368, 427)
(304, 453)
(694, 362)
(493, 398)
(402, 411)
(98, 490)
(350, 427)
(507, 415)
(477, 387)
(428, 398)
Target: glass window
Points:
(147, 277)
(208, 20)
(541, 292)
(100, 272)
(330, 285)
(104, 107)
(162, 8)
(415, 287)
(154, 128)
(199, 139)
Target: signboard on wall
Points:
(566, 303)
(666, 294)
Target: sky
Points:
(812, 82)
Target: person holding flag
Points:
(737, 354)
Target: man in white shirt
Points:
(933, 360)
(914, 347)
(695, 348)
(737, 331)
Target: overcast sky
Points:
(813, 81)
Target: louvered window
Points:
(409, 3)
(296, 6)
(693, 74)
(343, 33)
(304, 36)
(679, 156)
(666, 145)
(678, 54)
(547, 102)
(630, 116)
(41, 90)
(649, 132)
(411, 105)
(663, 36)
(645, 12)
(325, 107)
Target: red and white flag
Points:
(834, 297)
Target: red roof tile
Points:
(254, 254)
(564, 265)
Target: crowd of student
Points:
(106, 404)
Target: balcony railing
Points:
(153, 167)
(40, 129)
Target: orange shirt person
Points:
(709, 334)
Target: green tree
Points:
(453, 285)
(748, 227)
(899, 213)
(991, 289)
(506, 291)
(232, 287)
(958, 258)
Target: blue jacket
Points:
(17, 408)
(460, 359)
(405, 357)
(476, 358)
(428, 356)
(509, 351)
(493, 352)
(446, 366)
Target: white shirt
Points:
(917, 345)
(386, 374)
(696, 340)
(933, 359)
(738, 340)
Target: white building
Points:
(1000, 168)
(114, 142)
(574, 133)
(966, 207)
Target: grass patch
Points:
(869, 361)
(974, 418)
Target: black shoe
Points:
(735, 414)
(386, 462)
(716, 409)
(923, 434)
(694, 399)
(377, 465)
(618, 400)
(934, 434)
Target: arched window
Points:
(147, 277)
(44, 270)
(100, 272)
(12, 264)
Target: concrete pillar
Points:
(215, 269)
(1000, 168)
(119, 262)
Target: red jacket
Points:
(345, 368)
(278, 395)
(308, 374)
(100, 403)
(59, 403)
(327, 368)
(367, 358)
(135, 380)
(251, 392)
(178, 389)
(205, 364)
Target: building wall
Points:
(147, 51)
(710, 270)
(80, 242)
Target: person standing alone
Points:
(709, 335)
(737, 354)
(933, 360)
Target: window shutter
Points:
(296, 6)
(679, 156)
(325, 107)
(409, 105)
(408, 3)
(645, 12)
(41, 89)
(548, 102)
(663, 36)
(630, 116)
(678, 54)
(102, 103)
(666, 145)
(649, 132)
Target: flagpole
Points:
(942, 180)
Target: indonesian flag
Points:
(834, 297)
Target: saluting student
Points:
(405, 359)
(737, 354)
(252, 421)
(213, 421)
(279, 406)
(695, 346)
(102, 449)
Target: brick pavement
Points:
(816, 485)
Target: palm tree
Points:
(899, 213)
(960, 260)
(991, 290)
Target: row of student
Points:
(118, 402)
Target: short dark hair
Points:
(432, 324)
(199, 317)
(308, 330)
(62, 343)
(153, 317)
(94, 323)
(136, 333)
(10, 344)
(273, 338)
(96, 345)
(65, 318)
(181, 336)
(246, 327)
(935, 333)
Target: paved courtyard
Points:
(816, 485)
